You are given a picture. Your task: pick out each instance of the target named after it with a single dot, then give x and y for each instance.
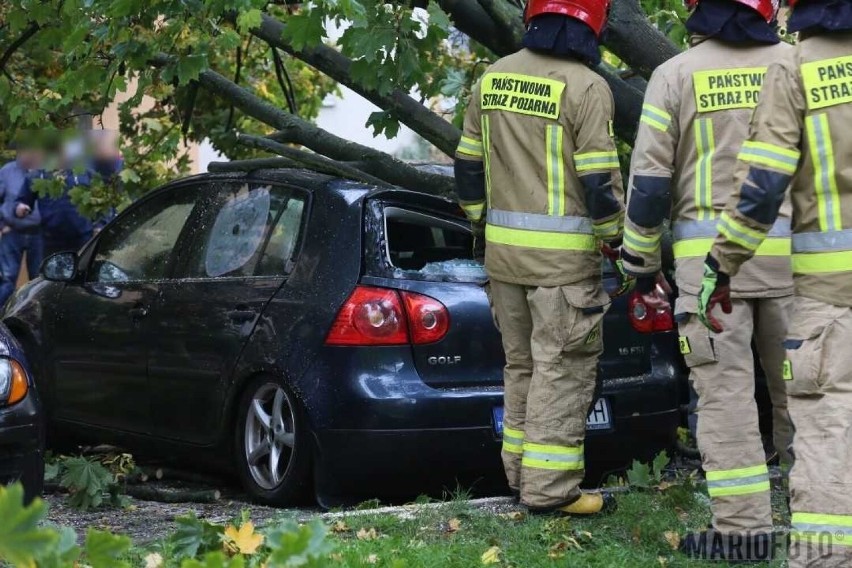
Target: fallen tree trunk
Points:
(148, 493)
(401, 105)
(295, 130)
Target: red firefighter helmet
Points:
(766, 8)
(593, 13)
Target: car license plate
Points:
(599, 418)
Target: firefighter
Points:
(537, 165)
(799, 133)
(694, 120)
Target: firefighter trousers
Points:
(552, 341)
(819, 389)
(722, 373)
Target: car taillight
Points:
(380, 316)
(644, 319)
(428, 319)
(371, 316)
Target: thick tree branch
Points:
(632, 38)
(311, 161)
(294, 129)
(403, 107)
(29, 32)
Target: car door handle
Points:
(241, 316)
(137, 313)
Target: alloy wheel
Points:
(270, 435)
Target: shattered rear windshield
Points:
(423, 246)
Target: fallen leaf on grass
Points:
(492, 555)
(453, 525)
(513, 516)
(340, 527)
(636, 534)
(672, 538)
(663, 561)
(243, 540)
(665, 485)
(367, 534)
(372, 559)
(336, 556)
(557, 551)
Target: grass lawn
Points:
(638, 534)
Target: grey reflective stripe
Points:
(512, 440)
(824, 171)
(556, 169)
(822, 242)
(736, 482)
(539, 222)
(563, 458)
(747, 151)
(832, 529)
(707, 229)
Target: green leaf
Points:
(306, 29)
(65, 553)
(247, 21)
(51, 471)
(383, 122)
(104, 550)
(659, 464)
(190, 67)
(215, 560)
(298, 545)
(21, 539)
(194, 535)
(639, 475)
(87, 479)
(437, 17)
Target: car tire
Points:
(271, 422)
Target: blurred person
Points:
(63, 227)
(19, 235)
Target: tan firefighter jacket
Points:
(542, 128)
(694, 121)
(800, 130)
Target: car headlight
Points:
(13, 382)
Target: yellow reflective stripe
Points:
(540, 239)
(689, 248)
(770, 155)
(588, 161)
(470, 146)
(741, 481)
(608, 228)
(828, 202)
(512, 433)
(551, 449)
(486, 154)
(822, 519)
(706, 147)
(641, 243)
(655, 117)
(474, 211)
(822, 262)
(722, 474)
(545, 456)
(555, 171)
(739, 233)
(740, 489)
(513, 440)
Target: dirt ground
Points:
(149, 521)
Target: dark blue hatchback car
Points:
(309, 332)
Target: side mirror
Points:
(60, 267)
